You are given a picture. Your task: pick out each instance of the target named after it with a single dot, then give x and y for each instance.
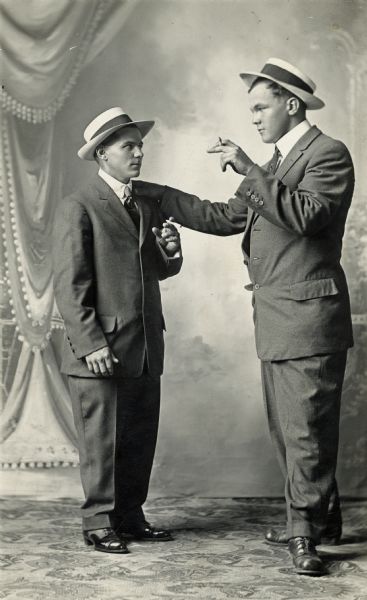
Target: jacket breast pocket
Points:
(317, 288)
(108, 323)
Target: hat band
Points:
(286, 77)
(119, 120)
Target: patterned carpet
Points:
(218, 554)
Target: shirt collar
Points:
(117, 186)
(286, 143)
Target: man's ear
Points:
(101, 153)
(293, 105)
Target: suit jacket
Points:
(293, 224)
(106, 280)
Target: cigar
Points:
(171, 220)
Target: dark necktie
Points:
(275, 161)
(131, 207)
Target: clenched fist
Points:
(168, 237)
(101, 361)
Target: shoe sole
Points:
(311, 573)
(323, 542)
(89, 543)
(112, 551)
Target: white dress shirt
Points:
(117, 186)
(286, 143)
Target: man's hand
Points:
(101, 361)
(233, 155)
(168, 237)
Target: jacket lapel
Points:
(297, 151)
(113, 205)
(291, 159)
(145, 212)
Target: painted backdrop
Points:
(178, 62)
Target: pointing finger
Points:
(215, 149)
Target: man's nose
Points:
(138, 152)
(255, 118)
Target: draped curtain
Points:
(46, 44)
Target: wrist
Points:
(248, 167)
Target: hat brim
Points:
(87, 151)
(312, 102)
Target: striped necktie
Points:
(131, 207)
(275, 161)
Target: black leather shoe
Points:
(330, 537)
(305, 558)
(276, 537)
(332, 534)
(105, 540)
(144, 531)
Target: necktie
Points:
(275, 161)
(131, 207)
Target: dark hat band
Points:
(286, 77)
(119, 120)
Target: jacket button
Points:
(253, 196)
(248, 193)
(256, 286)
(261, 202)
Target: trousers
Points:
(302, 401)
(117, 425)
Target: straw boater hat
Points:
(104, 125)
(290, 78)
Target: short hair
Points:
(278, 91)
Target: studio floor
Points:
(218, 554)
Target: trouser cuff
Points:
(97, 522)
(304, 530)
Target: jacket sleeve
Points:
(216, 218)
(328, 182)
(168, 266)
(74, 281)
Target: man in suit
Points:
(293, 213)
(109, 253)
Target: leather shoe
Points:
(330, 537)
(105, 540)
(332, 534)
(144, 531)
(276, 537)
(305, 558)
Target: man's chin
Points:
(265, 138)
(135, 172)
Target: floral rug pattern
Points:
(218, 554)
